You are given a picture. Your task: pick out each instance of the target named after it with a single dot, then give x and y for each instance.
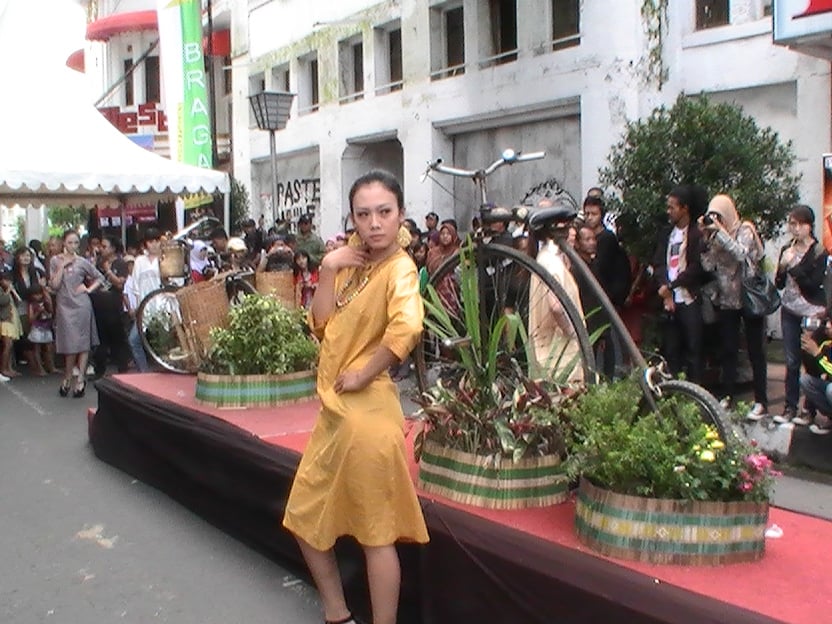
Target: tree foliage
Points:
(697, 142)
(62, 218)
(240, 204)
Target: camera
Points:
(810, 323)
(708, 219)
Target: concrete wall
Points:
(572, 102)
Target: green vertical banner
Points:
(186, 91)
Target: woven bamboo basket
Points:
(492, 483)
(254, 390)
(670, 531)
(204, 306)
(278, 284)
(173, 261)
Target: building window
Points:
(351, 69)
(394, 51)
(447, 41)
(503, 26)
(566, 24)
(129, 95)
(280, 78)
(711, 13)
(307, 84)
(152, 89)
(388, 57)
(227, 82)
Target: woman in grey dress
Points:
(73, 278)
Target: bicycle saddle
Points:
(559, 214)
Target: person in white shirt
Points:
(143, 280)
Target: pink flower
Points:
(746, 486)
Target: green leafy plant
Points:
(669, 454)
(262, 337)
(697, 141)
(489, 403)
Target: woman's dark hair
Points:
(310, 263)
(6, 275)
(151, 234)
(35, 289)
(802, 214)
(385, 178)
(115, 243)
(68, 233)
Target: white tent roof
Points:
(54, 145)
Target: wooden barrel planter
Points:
(254, 390)
(670, 531)
(484, 481)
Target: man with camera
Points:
(816, 382)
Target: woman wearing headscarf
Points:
(447, 244)
(732, 247)
(199, 261)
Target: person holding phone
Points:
(800, 275)
(730, 245)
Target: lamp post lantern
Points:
(271, 111)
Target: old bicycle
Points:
(174, 321)
(510, 279)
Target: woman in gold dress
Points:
(353, 478)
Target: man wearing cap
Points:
(308, 241)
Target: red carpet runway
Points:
(235, 467)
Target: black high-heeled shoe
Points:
(80, 389)
(64, 389)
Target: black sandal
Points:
(64, 389)
(346, 620)
(79, 390)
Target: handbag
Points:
(759, 295)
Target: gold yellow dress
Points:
(353, 478)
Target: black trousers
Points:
(682, 341)
(112, 337)
(729, 334)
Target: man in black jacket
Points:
(678, 271)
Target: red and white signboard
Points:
(802, 20)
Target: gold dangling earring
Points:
(403, 238)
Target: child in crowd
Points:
(40, 334)
(306, 278)
(10, 328)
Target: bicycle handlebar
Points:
(508, 157)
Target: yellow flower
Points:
(707, 455)
(712, 434)
(717, 444)
(697, 448)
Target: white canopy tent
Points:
(55, 147)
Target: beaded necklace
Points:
(344, 295)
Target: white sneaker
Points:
(758, 412)
(818, 430)
(803, 418)
(4, 378)
(90, 370)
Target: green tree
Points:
(697, 142)
(62, 218)
(240, 204)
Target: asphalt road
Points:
(83, 542)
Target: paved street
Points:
(84, 542)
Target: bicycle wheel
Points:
(159, 322)
(710, 411)
(510, 281)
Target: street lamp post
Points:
(271, 111)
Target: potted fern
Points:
(264, 356)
